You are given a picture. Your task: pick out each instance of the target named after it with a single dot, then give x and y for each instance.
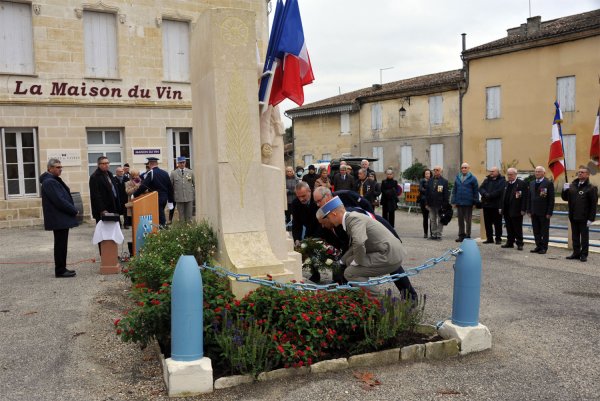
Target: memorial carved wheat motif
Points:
(239, 142)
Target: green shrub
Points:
(415, 172)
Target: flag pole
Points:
(560, 135)
(271, 73)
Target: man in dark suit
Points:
(364, 163)
(120, 181)
(491, 191)
(583, 203)
(343, 180)
(104, 190)
(311, 177)
(514, 206)
(365, 186)
(60, 214)
(540, 206)
(158, 180)
(304, 220)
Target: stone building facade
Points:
(513, 83)
(399, 123)
(84, 79)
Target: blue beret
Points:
(180, 159)
(331, 205)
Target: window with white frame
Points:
(100, 38)
(20, 154)
(377, 153)
(16, 38)
(345, 123)
(326, 157)
(405, 157)
(104, 142)
(376, 117)
(180, 144)
(569, 142)
(436, 155)
(493, 153)
(435, 110)
(565, 93)
(176, 50)
(308, 159)
(492, 102)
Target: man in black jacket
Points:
(311, 177)
(104, 191)
(304, 219)
(540, 206)
(343, 180)
(491, 190)
(583, 203)
(514, 206)
(436, 198)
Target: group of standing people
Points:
(109, 193)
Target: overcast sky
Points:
(349, 41)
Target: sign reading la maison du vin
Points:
(94, 91)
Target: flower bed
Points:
(268, 329)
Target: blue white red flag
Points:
(287, 58)
(595, 147)
(556, 160)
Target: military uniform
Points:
(183, 192)
(158, 180)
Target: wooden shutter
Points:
(176, 49)
(100, 36)
(435, 110)
(494, 153)
(16, 38)
(492, 102)
(565, 93)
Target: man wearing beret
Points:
(374, 251)
(157, 180)
(182, 179)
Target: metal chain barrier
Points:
(351, 285)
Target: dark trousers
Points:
(405, 287)
(288, 213)
(541, 230)
(162, 219)
(61, 243)
(389, 213)
(493, 223)
(172, 212)
(465, 216)
(580, 234)
(425, 213)
(514, 229)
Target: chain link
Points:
(351, 285)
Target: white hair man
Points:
(540, 206)
(465, 194)
(513, 207)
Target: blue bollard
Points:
(187, 329)
(467, 285)
(144, 226)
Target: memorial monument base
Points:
(185, 379)
(470, 339)
(109, 258)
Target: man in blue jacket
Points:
(59, 214)
(464, 195)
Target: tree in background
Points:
(415, 172)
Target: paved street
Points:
(542, 310)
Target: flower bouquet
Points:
(318, 255)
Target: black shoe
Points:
(573, 256)
(315, 278)
(425, 236)
(432, 237)
(535, 250)
(498, 241)
(66, 273)
(459, 239)
(583, 258)
(542, 251)
(519, 247)
(487, 242)
(507, 246)
(126, 227)
(439, 238)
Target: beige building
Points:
(399, 123)
(513, 83)
(84, 79)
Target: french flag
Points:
(288, 66)
(595, 148)
(556, 160)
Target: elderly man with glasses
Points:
(583, 203)
(436, 198)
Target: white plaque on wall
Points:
(68, 157)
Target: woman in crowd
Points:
(389, 197)
(290, 185)
(323, 180)
(423, 184)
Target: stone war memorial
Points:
(240, 196)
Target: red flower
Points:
(117, 321)
(217, 309)
(119, 332)
(294, 318)
(165, 284)
(236, 302)
(125, 270)
(155, 302)
(227, 306)
(306, 317)
(141, 303)
(280, 349)
(319, 318)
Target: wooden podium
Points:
(145, 205)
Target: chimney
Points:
(520, 30)
(376, 86)
(533, 25)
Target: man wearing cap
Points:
(311, 177)
(374, 251)
(182, 179)
(157, 180)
